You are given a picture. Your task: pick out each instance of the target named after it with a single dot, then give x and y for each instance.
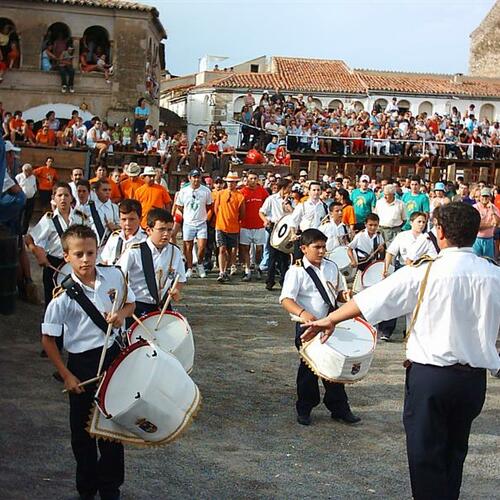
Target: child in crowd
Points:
(334, 229)
(126, 133)
(83, 340)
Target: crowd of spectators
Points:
(381, 131)
(10, 55)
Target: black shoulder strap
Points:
(149, 270)
(320, 287)
(75, 292)
(97, 219)
(119, 248)
(57, 225)
(434, 241)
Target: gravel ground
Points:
(245, 442)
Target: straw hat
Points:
(232, 177)
(132, 169)
(149, 171)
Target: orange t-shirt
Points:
(227, 211)
(348, 216)
(497, 201)
(116, 194)
(46, 177)
(154, 196)
(16, 123)
(49, 139)
(130, 185)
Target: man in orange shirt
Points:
(46, 177)
(17, 127)
(132, 182)
(101, 174)
(229, 212)
(45, 136)
(151, 195)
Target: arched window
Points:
(238, 104)
(334, 105)
(358, 106)
(487, 112)
(95, 44)
(404, 105)
(380, 104)
(9, 43)
(425, 107)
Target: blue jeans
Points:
(484, 247)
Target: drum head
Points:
(373, 273)
(64, 270)
(340, 256)
(352, 338)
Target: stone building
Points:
(484, 59)
(130, 35)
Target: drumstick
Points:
(83, 384)
(113, 293)
(143, 326)
(50, 266)
(167, 302)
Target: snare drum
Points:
(147, 392)
(173, 335)
(64, 269)
(283, 235)
(347, 354)
(340, 256)
(373, 273)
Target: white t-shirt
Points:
(28, 184)
(401, 244)
(195, 203)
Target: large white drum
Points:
(346, 356)
(340, 256)
(373, 273)
(64, 270)
(173, 335)
(147, 392)
(283, 235)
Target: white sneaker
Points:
(234, 270)
(201, 271)
(189, 273)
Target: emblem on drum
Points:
(146, 425)
(355, 368)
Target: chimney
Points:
(458, 78)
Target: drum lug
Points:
(138, 395)
(154, 354)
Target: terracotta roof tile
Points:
(108, 4)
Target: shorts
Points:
(255, 236)
(228, 240)
(126, 141)
(191, 232)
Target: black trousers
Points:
(105, 474)
(48, 287)
(67, 75)
(27, 214)
(277, 260)
(440, 405)
(308, 396)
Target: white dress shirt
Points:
(309, 214)
(300, 287)
(194, 203)
(274, 207)
(167, 263)
(64, 314)
(45, 234)
(401, 244)
(337, 235)
(423, 245)
(365, 244)
(459, 316)
(390, 214)
(108, 253)
(27, 184)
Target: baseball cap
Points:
(303, 173)
(195, 173)
(439, 186)
(486, 192)
(364, 177)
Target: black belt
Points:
(456, 366)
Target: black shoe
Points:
(304, 419)
(43, 354)
(246, 277)
(348, 417)
(58, 377)
(385, 338)
(269, 286)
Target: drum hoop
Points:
(368, 267)
(101, 392)
(130, 331)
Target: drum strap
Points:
(97, 219)
(57, 225)
(434, 241)
(321, 288)
(149, 271)
(119, 248)
(75, 292)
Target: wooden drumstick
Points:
(167, 302)
(113, 293)
(143, 326)
(83, 384)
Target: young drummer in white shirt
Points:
(83, 340)
(301, 297)
(334, 229)
(166, 259)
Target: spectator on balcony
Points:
(140, 146)
(49, 59)
(52, 122)
(45, 136)
(141, 115)
(96, 141)
(29, 133)
(17, 127)
(249, 100)
(79, 133)
(13, 56)
(254, 156)
(102, 66)
(84, 63)
(126, 133)
(66, 70)
(392, 106)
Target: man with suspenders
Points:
(129, 234)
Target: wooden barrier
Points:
(403, 171)
(386, 171)
(421, 172)
(496, 179)
(370, 171)
(350, 170)
(451, 172)
(313, 170)
(483, 174)
(295, 168)
(468, 175)
(435, 174)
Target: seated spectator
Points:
(103, 67)
(126, 133)
(96, 141)
(66, 70)
(79, 133)
(49, 59)
(254, 156)
(29, 133)
(17, 127)
(45, 136)
(140, 146)
(14, 56)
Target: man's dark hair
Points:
(159, 214)
(373, 217)
(415, 178)
(283, 184)
(315, 183)
(61, 184)
(97, 184)
(128, 205)
(78, 231)
(49, 158)
(333, 205)
(460, 223)
(414, 215)
(312, 235)
(83, 182)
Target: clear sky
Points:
(402, 35)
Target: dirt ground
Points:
(245, 442)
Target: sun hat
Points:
(149, 171)
(486, 191)
(232, 177)
(132, 169)
(439, 186)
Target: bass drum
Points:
(283, 235)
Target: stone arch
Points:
(487, 111)
(58, 34)
(404, 105)
(238, 104)
(95, 42)
(381, 104)
(425, 107)
(335, 104)
(11, 52)
(62, 111)
(358, 106)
